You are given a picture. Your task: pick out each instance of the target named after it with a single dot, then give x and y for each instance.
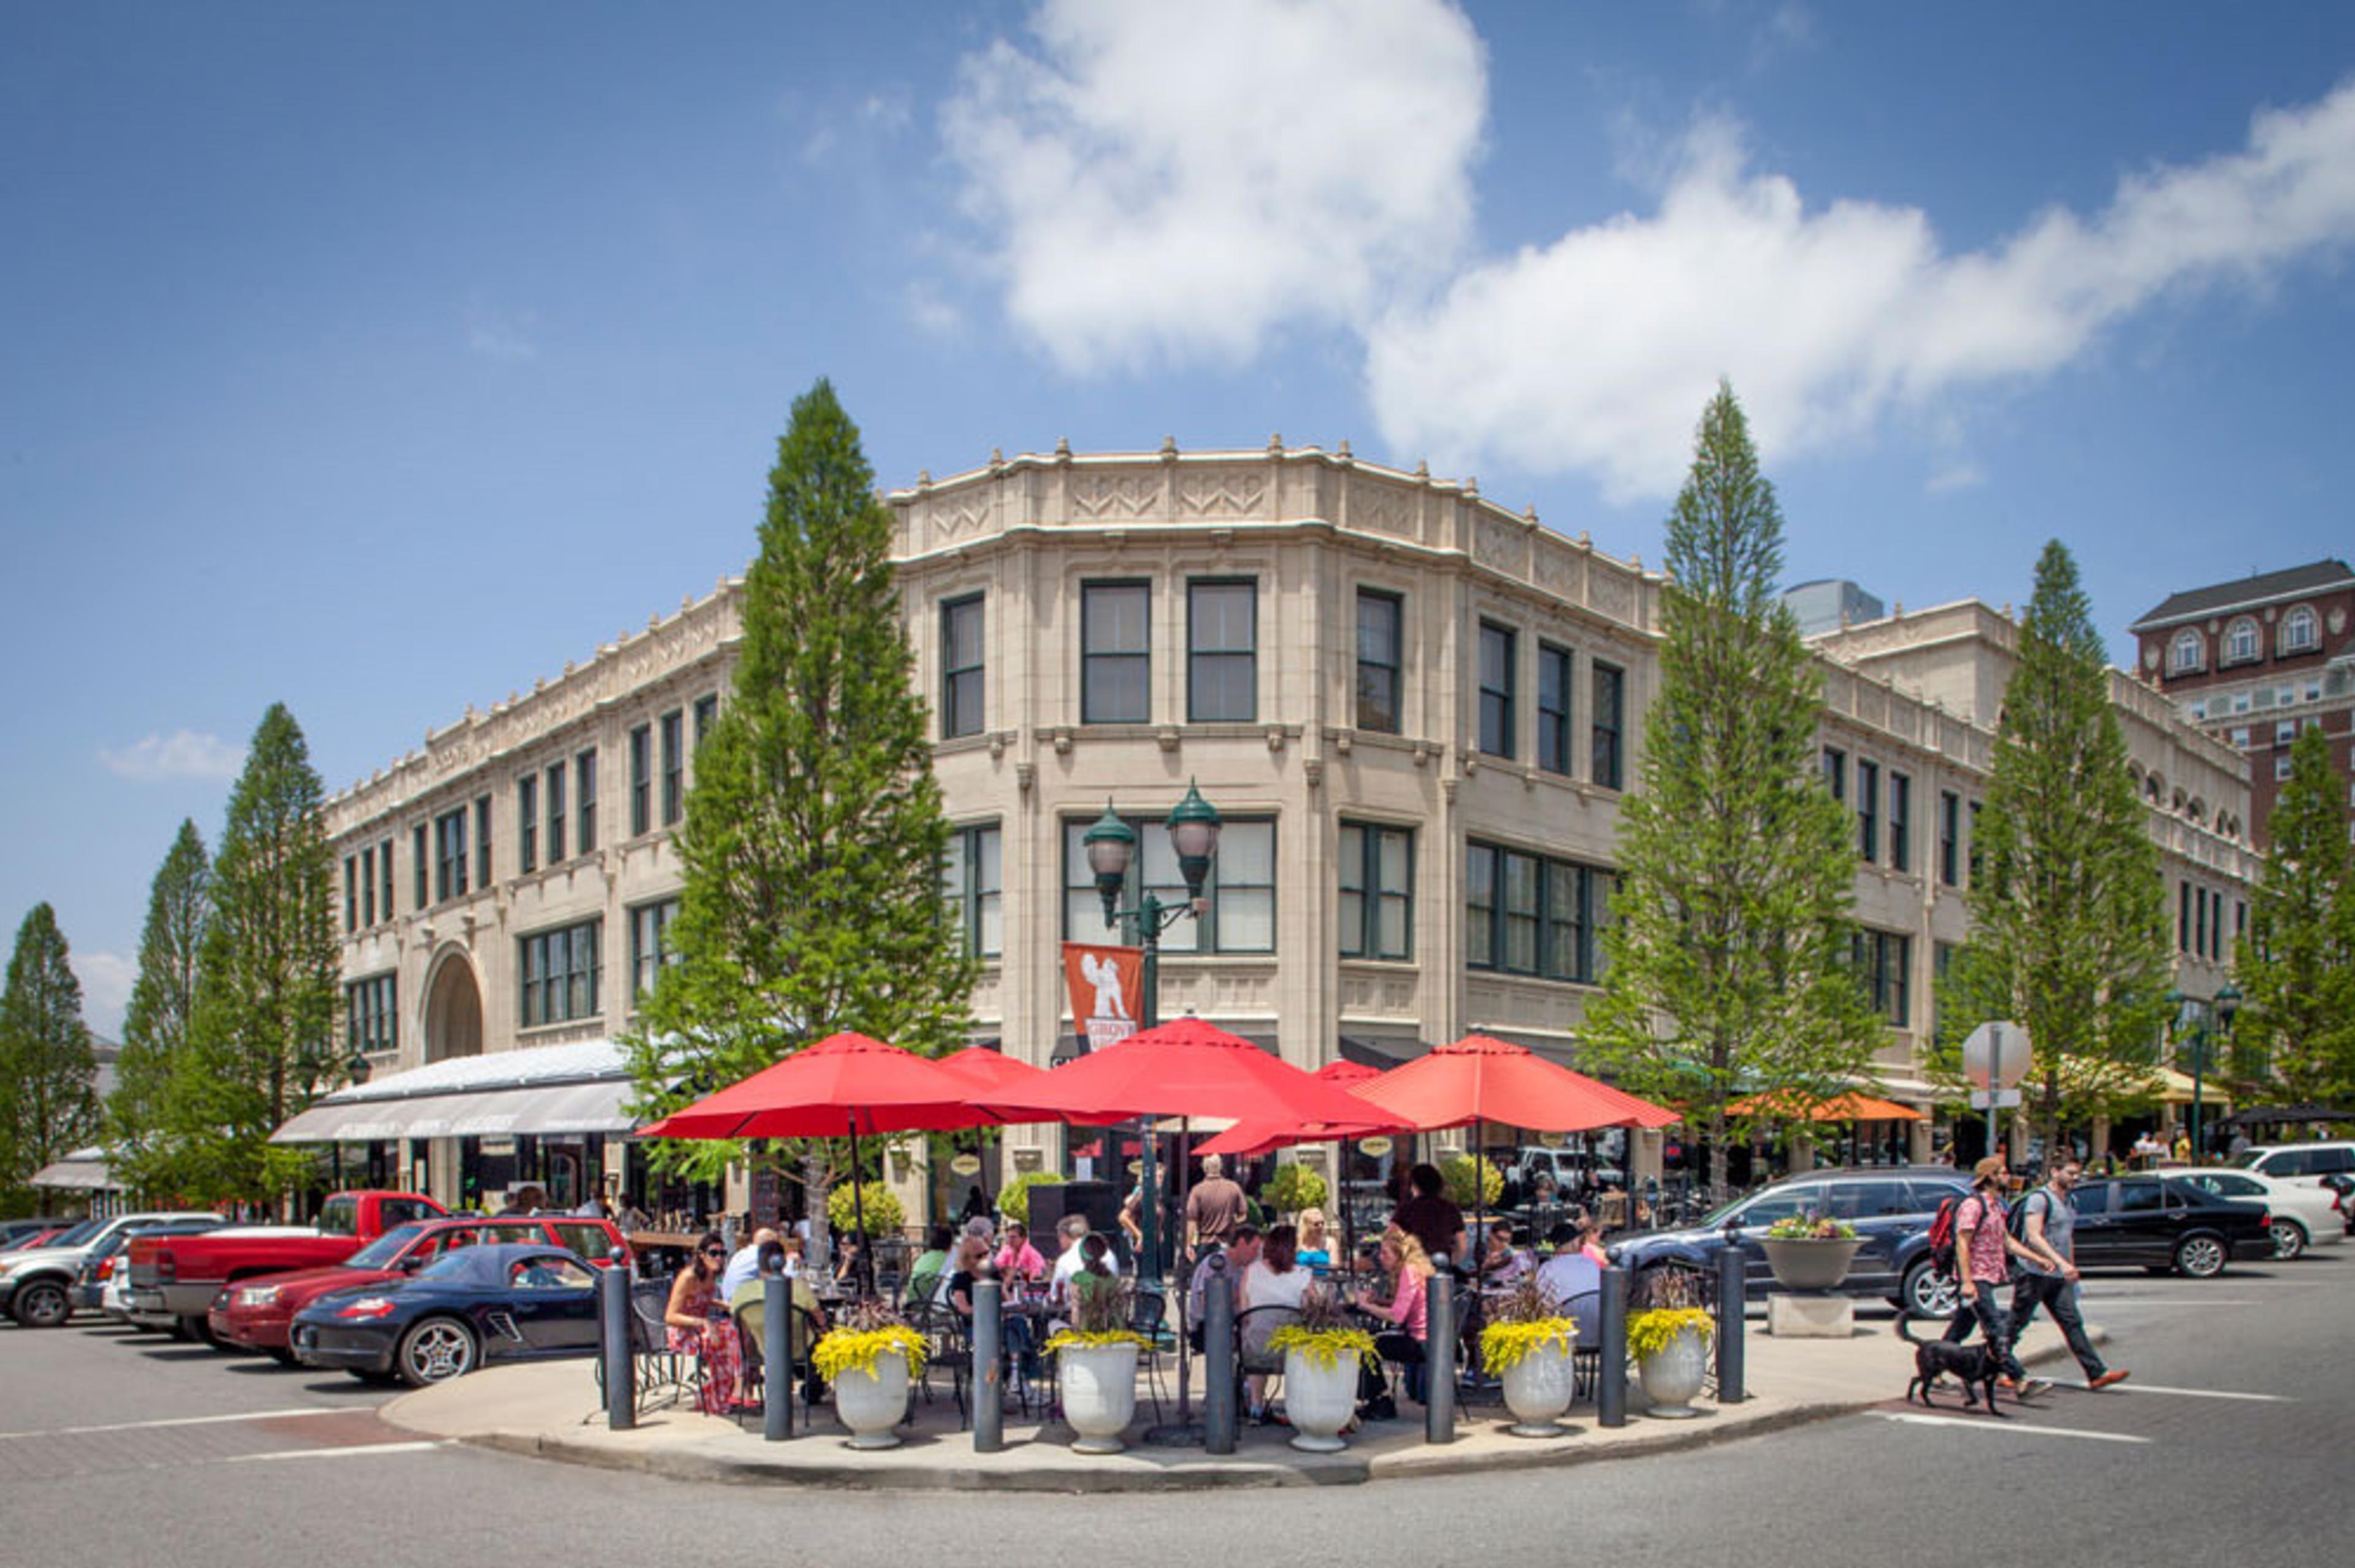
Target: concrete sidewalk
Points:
(550, 1410)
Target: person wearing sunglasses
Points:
(700, 1326)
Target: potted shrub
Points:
(869, 1356)
(1292, 1188)
(1471, 1182)
(1014, 1197)
(1321, 1355)
(1097, 1356)
(1527, 1344)
(1669, 1340)
(1808, 1252)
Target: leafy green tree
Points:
(155, 1026)
(1731, 962)
(2296, 964)
(49, 1100)
(813, 837)
(2068, 907)
(263, 1033)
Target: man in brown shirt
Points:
(1213, 1209)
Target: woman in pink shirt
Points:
(1408, 1267)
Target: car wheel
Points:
(42, 1304)
(434, 1351)
(281, 1355)
(2289, 1240)
(2200, 1257)
(1928, 1293)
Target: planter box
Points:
(1098, 1394)
(1811, 1265)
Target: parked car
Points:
(2164, 1223)
(2314, 1160)
(36, 1285)
(495, 1303)
(15, 1233)
(258, 1315)
(175, 1279)
(2305, 1212)
(107, 1265)
(1890, 1206)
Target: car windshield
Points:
(79, 1234)
(381, 1253)
(449, 1266)
(2248, 1156)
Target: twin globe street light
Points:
(2191, 1015)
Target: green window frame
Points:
(1377, 888)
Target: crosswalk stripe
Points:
(354, 1451)
(2015, 1428)
(176, 1421)
(2193, 1392)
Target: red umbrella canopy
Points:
(982, 1069)
(1343, 1071)
(1482, 1080)
(846, 1084)
(1183, 1068)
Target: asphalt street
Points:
(2229, 1444)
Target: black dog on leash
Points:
(1976, 1365)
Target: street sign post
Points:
(1989, 1099)
(1996, 1057)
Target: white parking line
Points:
(177, 1421)
(357, 1451)
(2191, 1393)
(2015, 1428)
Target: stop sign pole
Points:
(1996, 1057)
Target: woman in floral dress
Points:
(701, 1325)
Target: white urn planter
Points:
(1319, 1399)
(1673, 1375)
(872, 1403)
(1099, 1383)
(1538, 1390)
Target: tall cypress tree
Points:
(2296, 964)
(814, 837)
(157, 1025)
(262, 1034)
(1730, 964)
(48, 1102)
(2068, 908)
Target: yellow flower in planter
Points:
(857, 1350)
(1086, 1339)
(1324, 1347)
(1649, 1333)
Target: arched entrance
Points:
(453, 1011)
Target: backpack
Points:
(1942, 1233)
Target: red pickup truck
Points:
(173, 1282)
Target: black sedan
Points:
(2162, 1223)
(510, 1302)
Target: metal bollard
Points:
(1732, 1272)
(988, 1373)
(613, 1343)
(1611, 1392)
(777, 1358)
(1219, 1359)
(1439, 1356)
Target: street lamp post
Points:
(2191, 1016)
(1111, 847)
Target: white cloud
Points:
(182, 755)
(106, 980)
(1172, 183)
(1957, 475)
(932, 312)
(501, 334)
(1596, 352)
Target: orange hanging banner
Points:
(1106, 984)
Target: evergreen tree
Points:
(2296, 964)
(262, 1034)
(814, 837)
(155, 1026)
(48, 1102)
(1729, 963)
(2068, 907)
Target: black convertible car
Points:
(509, 1302)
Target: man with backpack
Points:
(2048, 1268)
(1984, 1245)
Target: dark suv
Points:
(1890, 1206)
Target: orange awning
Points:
(1849, 1108)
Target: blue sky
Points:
(378, 359)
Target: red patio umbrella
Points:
(985, 1069)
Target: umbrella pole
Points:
(858, 1217)
(1183, 1432)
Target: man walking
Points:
(1982, 1247)
(2048, 1268)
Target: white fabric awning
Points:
(75, 1175)
(538, 1091)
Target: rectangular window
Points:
(1116, 657)
(1380, 618)
(973, 889)
(649, 952)
(707, 714)
(1950, 836)
(1977, 861)
(371, 1017)
(1901, 822)
(1868, 809)
(1377, 913)
(1608, 724)
(1223, 652)
(2183, 917)
(527, 823)
(2199, 921)
(1499, 651)
(2284, 732)
(1529, 915)
(641, 779)
(1239, 893)
(1836, 772)
(2281, 767)
(1554, 671)
(1885, 963)
(368, 886)
(351, 892)
(556, 814)
(584, 801)
(559, 974)
(449, 855)
(384, 871)
(960, 666)
(483, 842)
(417, 860)
(673, 733)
